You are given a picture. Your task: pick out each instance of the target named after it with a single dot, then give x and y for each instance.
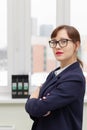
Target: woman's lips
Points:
(59, 53)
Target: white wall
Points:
(85, 117)
(14, 114)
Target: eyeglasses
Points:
(62, 43)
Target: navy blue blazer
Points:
(64, 99)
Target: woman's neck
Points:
(64, 64)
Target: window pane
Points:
(79, 20)
(43, 20)
(3, 42)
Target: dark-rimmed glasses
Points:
(62, 43)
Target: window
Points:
(78, 19)
(3, 43)
(27, 27)
(43, 21)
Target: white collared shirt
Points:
(61, 69)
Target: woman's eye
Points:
(54, 41)
(63, 41)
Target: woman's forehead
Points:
(62, 34)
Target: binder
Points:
(20, 86)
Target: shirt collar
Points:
(61, 69)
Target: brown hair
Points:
(71, 32)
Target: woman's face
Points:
(67, 54)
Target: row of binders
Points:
(20, 86)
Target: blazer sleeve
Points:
(63, 94)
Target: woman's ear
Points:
(77, 45)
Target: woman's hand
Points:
(35, 94)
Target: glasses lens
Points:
(63, 42)
(52, 43)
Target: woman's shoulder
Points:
(73, 71)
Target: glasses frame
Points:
(55, 42)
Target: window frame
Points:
(18, 39)
(19, 35)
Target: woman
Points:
(58, 104)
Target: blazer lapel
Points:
(49, 83)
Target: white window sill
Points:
(6, 98)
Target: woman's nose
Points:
(58, 46)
